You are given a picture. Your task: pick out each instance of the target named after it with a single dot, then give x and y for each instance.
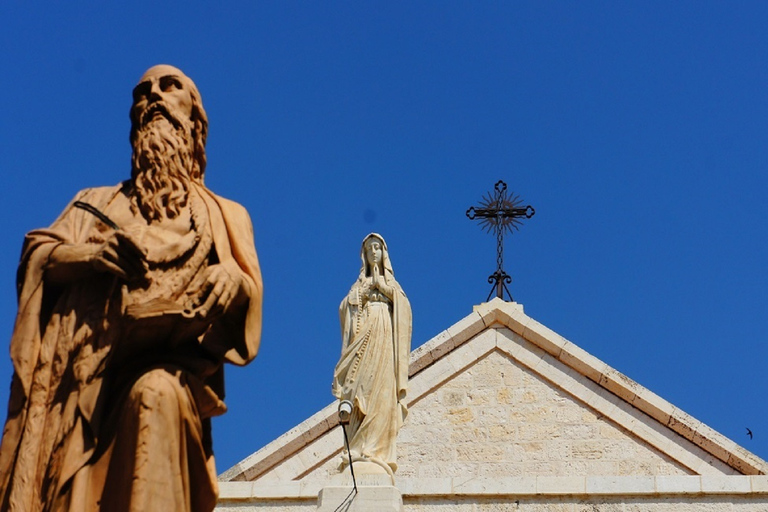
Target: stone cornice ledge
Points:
(738, 485)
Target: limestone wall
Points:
(528, 494)
(673, 504)
(619, 504)
(495, 419)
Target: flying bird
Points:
(749, 433)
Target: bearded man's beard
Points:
(162, 158)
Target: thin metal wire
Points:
(349, 454)
(347, 501)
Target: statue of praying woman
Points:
(372, 373)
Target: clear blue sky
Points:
(638, 131)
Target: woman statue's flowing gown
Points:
(369, 383)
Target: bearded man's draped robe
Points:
(108, 413)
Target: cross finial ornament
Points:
(498, 213)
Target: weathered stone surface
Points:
(363, 499)
(700, 504)
(502, 430)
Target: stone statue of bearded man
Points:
(129, 304)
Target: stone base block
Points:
(376, 498)
(362, 479)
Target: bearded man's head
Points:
(168, 132)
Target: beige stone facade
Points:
(507, 415)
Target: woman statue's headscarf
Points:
(365, 270)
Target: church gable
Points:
(499, 395)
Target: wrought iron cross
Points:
(498, 213)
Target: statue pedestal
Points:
(375, 493)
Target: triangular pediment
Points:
(499, 395)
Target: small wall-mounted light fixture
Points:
(345, 412)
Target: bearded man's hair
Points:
(161, 163)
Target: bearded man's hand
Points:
(222, 288)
